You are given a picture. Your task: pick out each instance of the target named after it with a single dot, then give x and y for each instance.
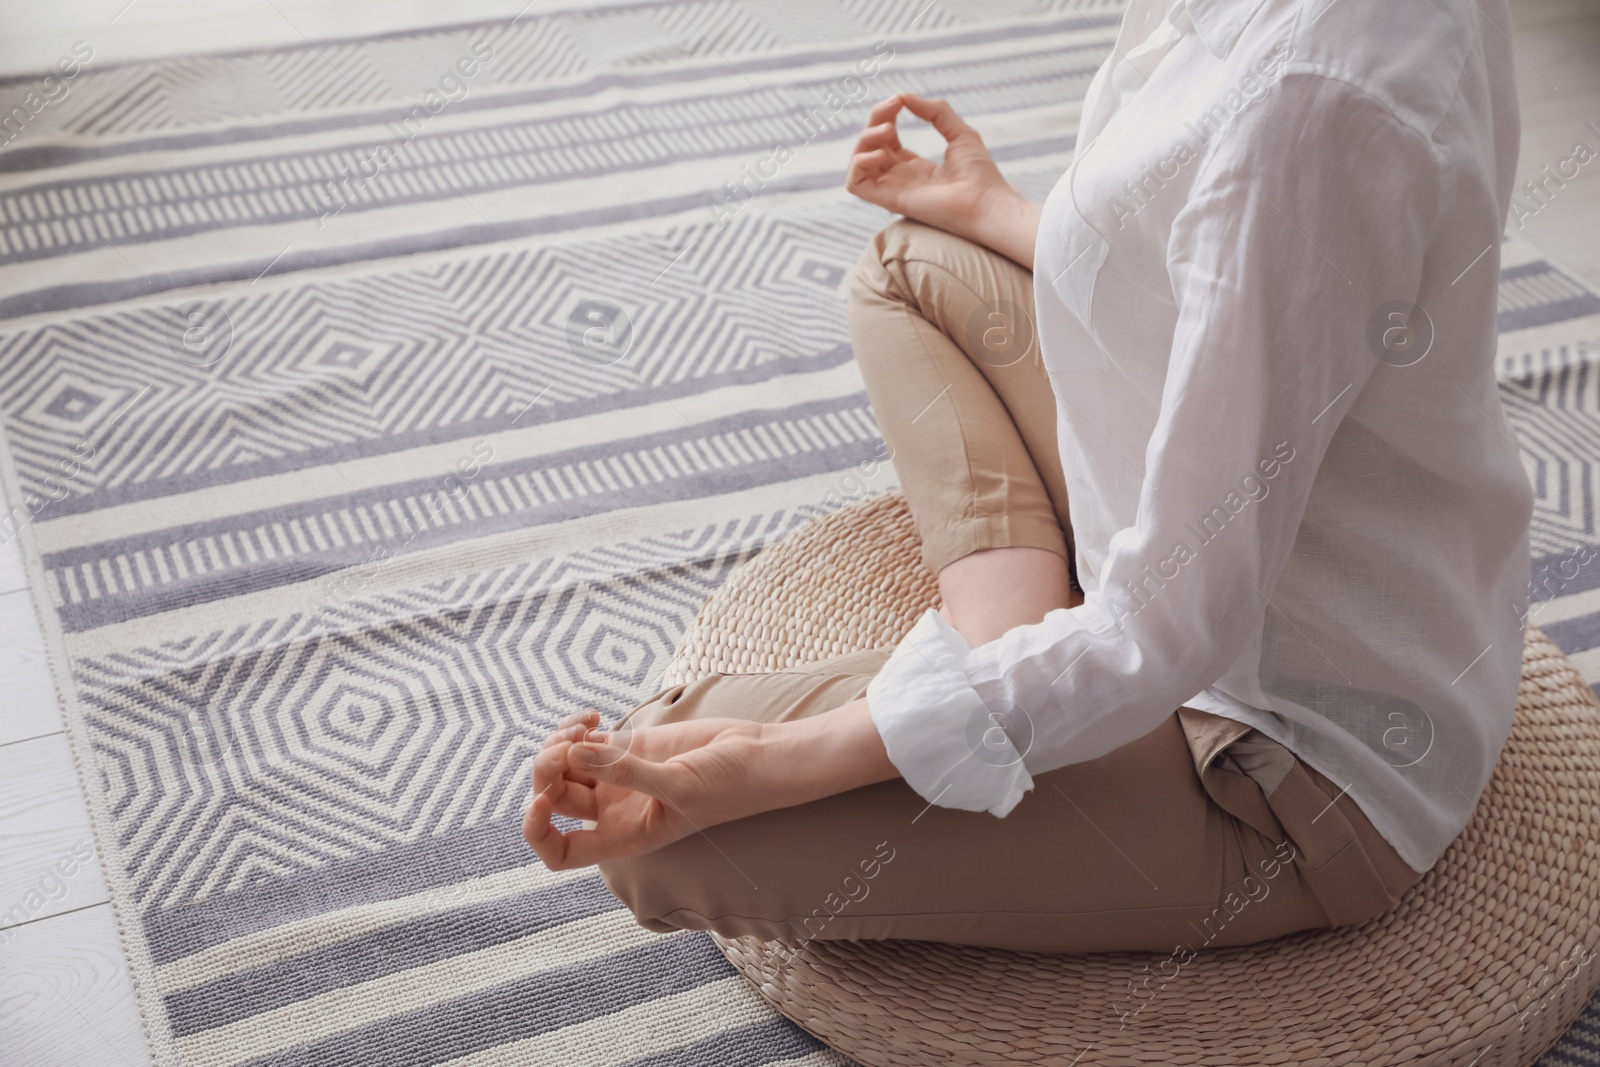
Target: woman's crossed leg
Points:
(1154, 846)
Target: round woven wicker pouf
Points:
(1484, 963)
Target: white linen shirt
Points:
(1266, 291)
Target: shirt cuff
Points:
(946, 743)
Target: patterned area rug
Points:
(370, 405)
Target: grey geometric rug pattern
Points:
(370, 405)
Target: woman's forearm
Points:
(821, 755)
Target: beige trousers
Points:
(1157, 846)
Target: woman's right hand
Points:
(965, 193)
(644, 788)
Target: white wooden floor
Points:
(65, 995)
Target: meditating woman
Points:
(1229, 527)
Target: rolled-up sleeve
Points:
(1305, 219)
(939, 732)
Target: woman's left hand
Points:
(964, 192)
(649, 787)
(643, 788)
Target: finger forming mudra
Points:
(964, 193)
(638, 789)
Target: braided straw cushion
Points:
(1483, 964)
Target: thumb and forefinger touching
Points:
(560, 773)
(878, 150)
(936, 112)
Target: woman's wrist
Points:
(1007, 222)
(821, 755)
